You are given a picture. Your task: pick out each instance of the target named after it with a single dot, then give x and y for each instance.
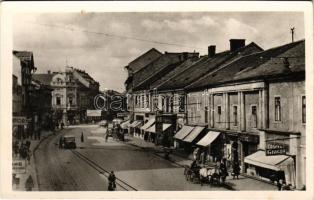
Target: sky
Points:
(103, 43)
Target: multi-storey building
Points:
(144, 106)
(23, 116)
(73, 93)
(251, 105)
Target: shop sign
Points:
(122, 115)
(20, 121)
(93, 113)
(273, 148)
(18, 166)
(24, 56)
(249, 138)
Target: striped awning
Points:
(135, 124)
(183, 132)
(208, 138)
(125, 125)
(195, 132)
(148, 124)
(275, 162)
(152, 129)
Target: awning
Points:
(148, 124)
(135, 124)
(125, 125)
(208, 138)
(183, 132)
(276, 162)
(195, 132)
(152, 129)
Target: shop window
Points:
(235, 115)
(219, 113)
(58, 101)
(303, 109)
(206, 114)
(253, 116)
(277, 109)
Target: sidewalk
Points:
(30, 167)
(182, 159)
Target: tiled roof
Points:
(44, 79)
(150, 70)
(204, 66)
(85, 75)
(146, 84)
(263, 64)
(179, 69)
(144, 59)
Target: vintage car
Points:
(69, 142)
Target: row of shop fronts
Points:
(209, 146)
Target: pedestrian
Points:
(82, 137)
(279, 184)
(202, 157)
(106, 137)
(29, 156)
(236, 170)
(39, 134)
(62, 125)
(223, 170)
(60, 142)
(16, 148)
(29, 184)
(112, 181)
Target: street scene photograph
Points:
(159, 101)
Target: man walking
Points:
(112, 181)
(29, 184)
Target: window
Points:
(235, 115)
(182, 104)
(219, 113)
(303, 109)
(206, 114)
(167, 104)
(143, 101)
(136, 102)
(171, 104)
(253, 116)
(147, 101)
(155, 100)
(277, 109)
(58, 101)
(70, 101)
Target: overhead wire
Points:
(115, 35)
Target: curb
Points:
(34, 157)
(156, 154)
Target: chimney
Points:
(49, 72)
(235, 44)
(211, 51)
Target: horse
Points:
(209, 175)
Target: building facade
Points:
(73, 93)
(244, 102)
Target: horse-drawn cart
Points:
(202, 174)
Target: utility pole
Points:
(292, 33)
